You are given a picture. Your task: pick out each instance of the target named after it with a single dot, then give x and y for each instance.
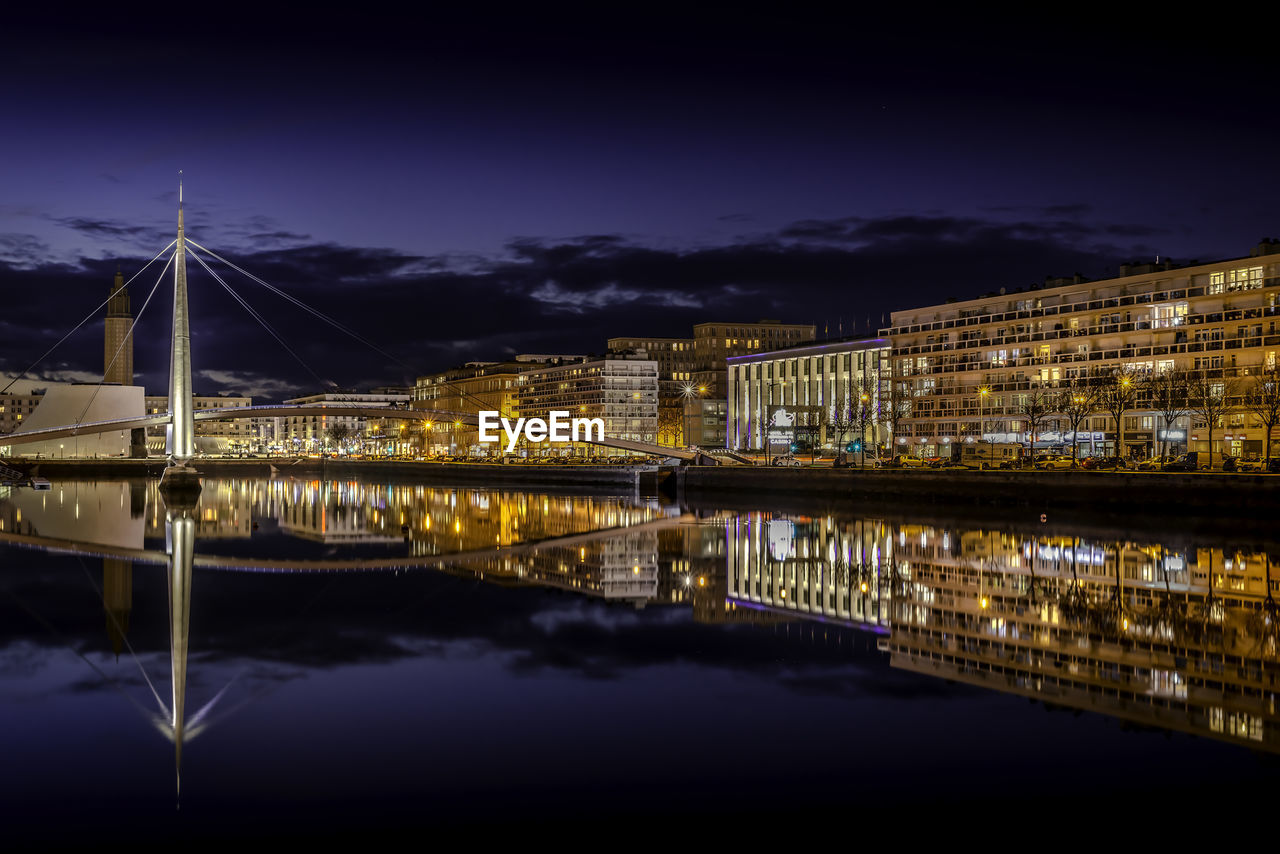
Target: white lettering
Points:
(586, 425)
(513, 434)
(535, 430)
(559, 426)
(488, 422)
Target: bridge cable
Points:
(87, 318)
(125, 339)
(322, 316)
(258, 317)
(302, 305)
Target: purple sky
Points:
(463, 187)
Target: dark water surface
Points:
(307, 658)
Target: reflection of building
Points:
(821, 386)
(117, 599)
(1219, 320)
(225, 511)
(620, 390)
(811, 568)
(621, 568)
(1181, 637)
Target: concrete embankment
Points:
(478, 474)
(1119, 493)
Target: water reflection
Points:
(1164, 629)
(1169, 632)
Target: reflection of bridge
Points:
(182, 415)
(250, 564)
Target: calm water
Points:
(295, 656)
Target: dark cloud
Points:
(541, 295)
(102, 228)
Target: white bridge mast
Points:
(181, 434)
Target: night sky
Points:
(461, 187)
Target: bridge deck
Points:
(285, 411)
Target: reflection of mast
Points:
(181, 531)
(117, 599)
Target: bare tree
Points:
(1077, 400)
(338, 434)
(1210, 400)
(1036, 407)
(1117, 396)
(1169, 394)
(864, 412)
(894, 409)
(1263, 400)
(671, 423)
(840, 423)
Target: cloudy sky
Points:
(457, 187)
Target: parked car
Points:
(1103, 463)
(1048, 462)
(1156, 463)
(787, 460)
(1229, 463)
(1251, 466)
(1190, 461)
(902, 461)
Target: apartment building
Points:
(620, 389)
(470, 388)
(16, 407)
(314, 432)
(211, 436)
(968, 367)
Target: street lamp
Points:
(984, 392)
(862, 430)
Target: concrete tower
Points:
(117, 359)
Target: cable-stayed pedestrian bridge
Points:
(181, 418)
(297, 410)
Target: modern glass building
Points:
(823, 393)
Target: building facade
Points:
(15, 408)
(691, 373)
(824, 395)
(471, 388)
(212, 437)
(308, 433)
(970, 368)
(620, 389)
